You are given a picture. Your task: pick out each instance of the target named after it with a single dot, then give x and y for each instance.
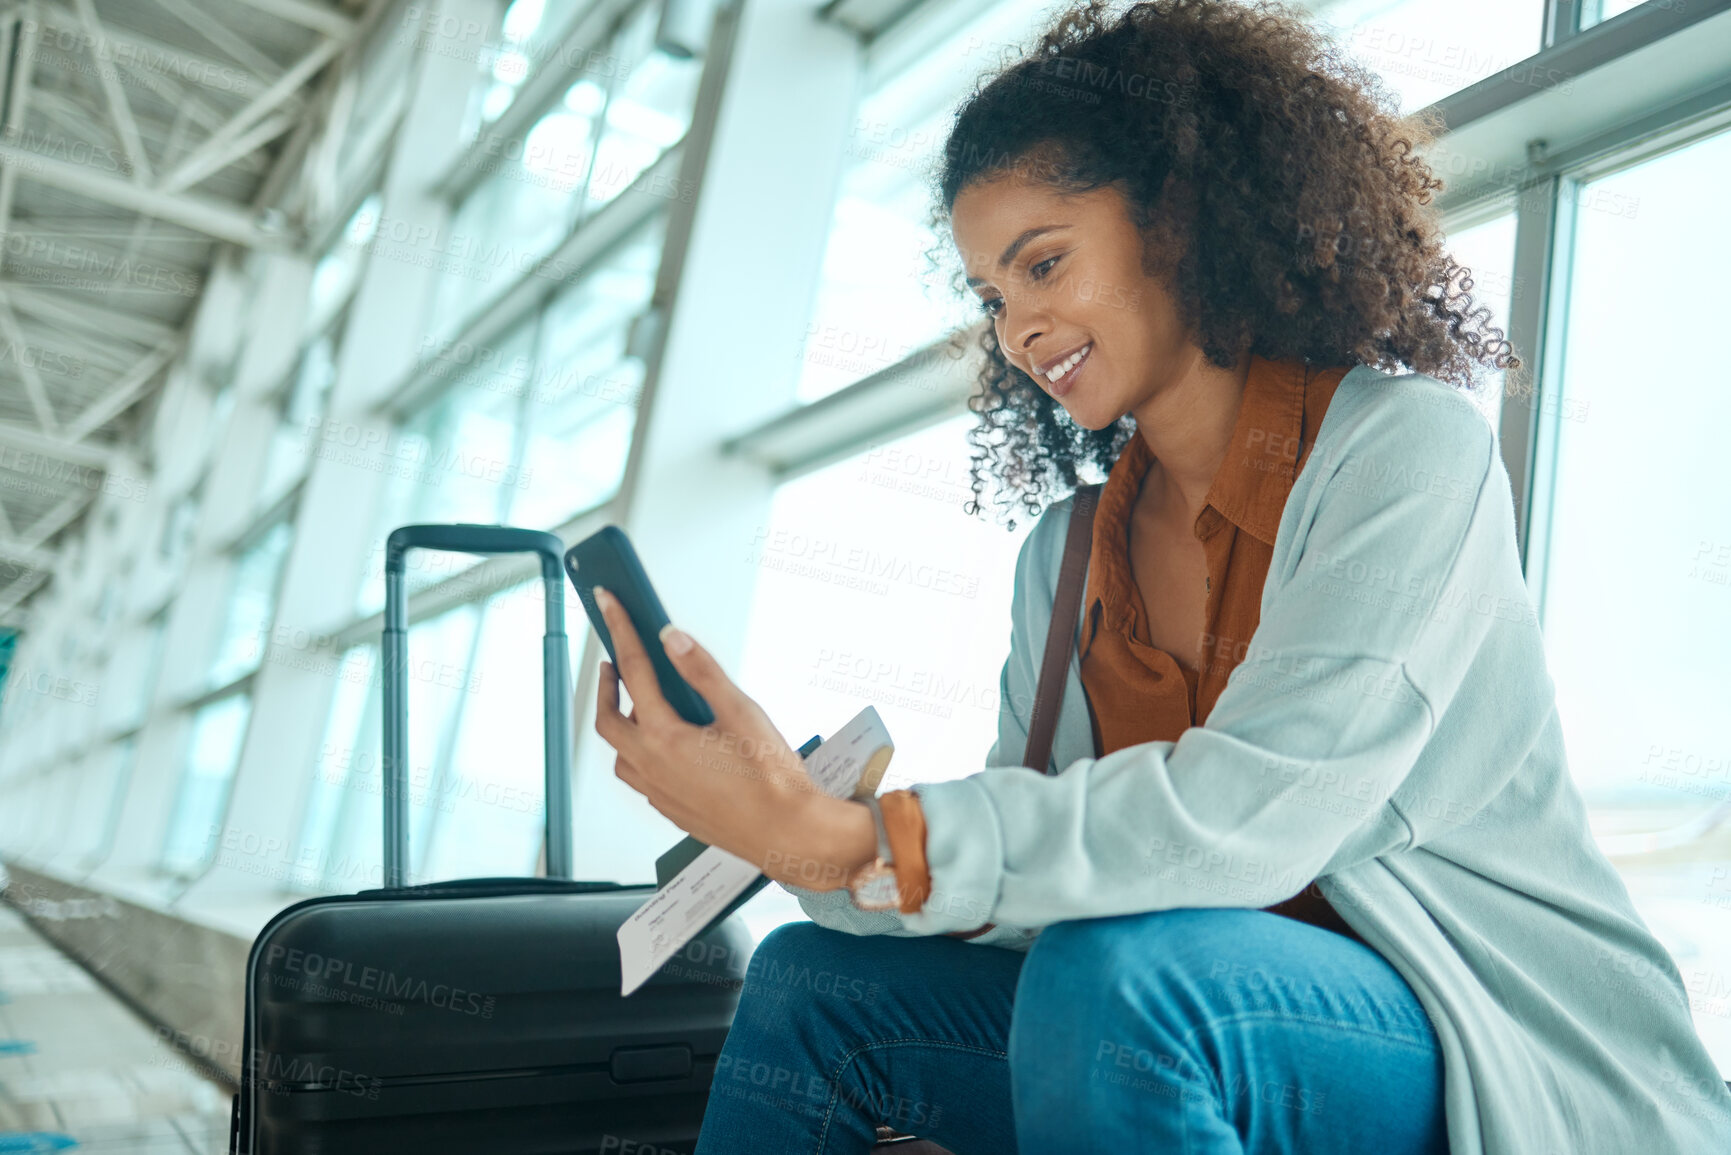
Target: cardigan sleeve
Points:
(835, 909)
(1297, 770)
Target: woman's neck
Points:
(1188, 426)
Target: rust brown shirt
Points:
(1139, 693)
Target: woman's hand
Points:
(736, 783)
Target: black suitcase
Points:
(480, 1015)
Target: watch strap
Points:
(905, 824)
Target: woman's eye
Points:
(1036, 272)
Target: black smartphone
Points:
(605, 558)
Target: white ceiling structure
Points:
(137, 137)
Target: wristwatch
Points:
(873, 886)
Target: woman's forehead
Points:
(999, 210)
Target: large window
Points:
(252, 602)
(340, 847)
(100, 790)
(648, 109)
(179, 524)
(1634, 571)
(1598, 11)
(214, 748)
(106, 791)
(338, 271)
(456, 460)
(525, 40)
(873, 587)
(520, 212)
(1425, 49)
(617, 117)
(489, 791)
(133, 674)
(475, 771)
(529, 429)
(878, 301)
(1488, 250)
(304, 396)
(581, 398)
(881, 299)
(347, 763)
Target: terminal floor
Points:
(80, 1072)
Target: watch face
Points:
(876, 889)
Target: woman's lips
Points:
(1068, 381)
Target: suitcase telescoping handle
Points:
(482, 539)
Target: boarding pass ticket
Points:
(850, 764)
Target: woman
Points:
(1310, 873)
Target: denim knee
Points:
(1085, 978)
(790, 949)
(1100, 951)
(1177, 941)
(791, 943)
(803, 973)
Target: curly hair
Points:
(1241, 131)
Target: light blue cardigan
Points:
(1392, 733)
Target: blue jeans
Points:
(1179, 1032)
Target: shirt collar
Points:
(1256, 477)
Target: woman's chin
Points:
(1089, 416)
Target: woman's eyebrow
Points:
(1015, 247)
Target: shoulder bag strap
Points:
(1060, 637)
(1066, 608)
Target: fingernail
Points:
(675, 639)
(602, 597)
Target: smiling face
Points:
(1061, 273)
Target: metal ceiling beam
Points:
(76, 119)
(185, 104)
(123, 392)
(14, 551)
(32, 380)
(279, 187)
(140, 52)
(308, 15)
(18, 96)
(213, 218)
(204, 161)
(231, 144)
(86, 453)
(21, 589)
(108, 242)
(118, 108)
(204, 22)
(79, 349)
(321, 163)
(54, 521)
(97, 319)
(186, 173)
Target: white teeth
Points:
(1068, 363)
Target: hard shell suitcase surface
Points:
(479, 1015)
